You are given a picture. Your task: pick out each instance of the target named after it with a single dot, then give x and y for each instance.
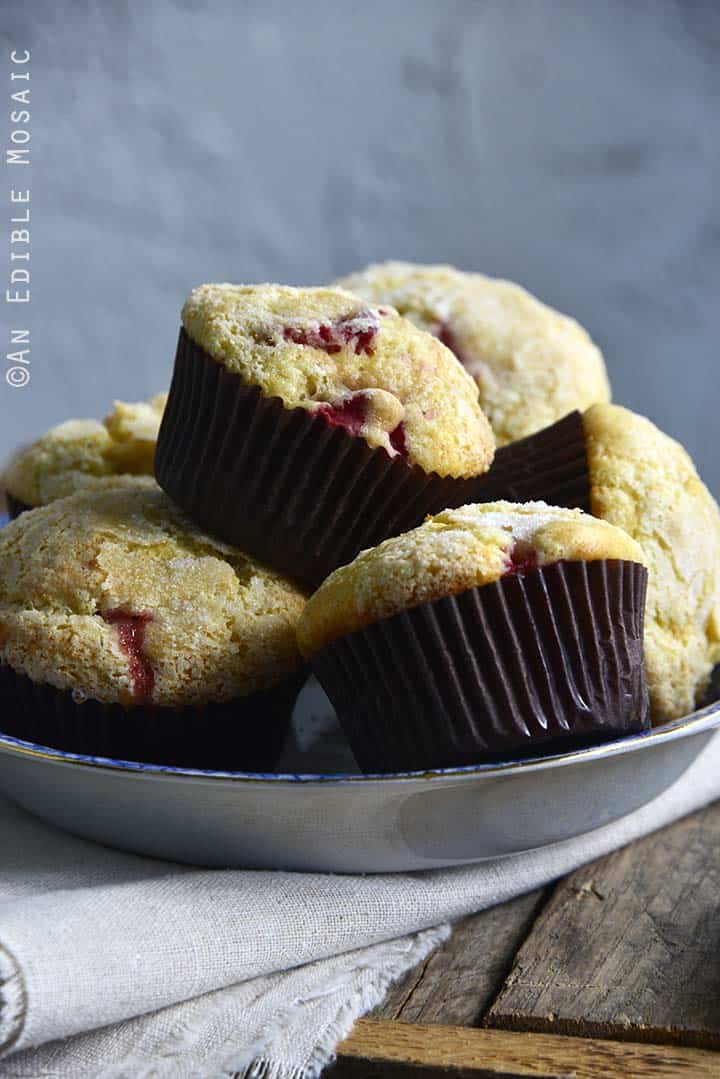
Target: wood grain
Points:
(405, 1051)
(628, 947)
(458, 982)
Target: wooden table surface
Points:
(612, 972)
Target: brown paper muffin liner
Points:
(549, 466)
(15, 506)
(711, 692)
(280, 483)
(548, 660)
(246, 734)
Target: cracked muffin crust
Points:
(115, 596)
(644, 481)
(532, 364)
(450, 553)
(359, 367)
(86, 454)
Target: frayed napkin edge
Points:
(13, 1002)
(255, 1061)
(335, 1031)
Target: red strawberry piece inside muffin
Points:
(357, 332)
(373, 412)
(521, 558)
(131, 635)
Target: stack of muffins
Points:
(331, 498)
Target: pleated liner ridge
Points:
(551, 658)
(280, 483)
(15, 506)
(550, 466)
(245, 734)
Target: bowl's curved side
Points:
(373, 826)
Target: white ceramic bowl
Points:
(345, 822)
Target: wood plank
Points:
(628, 947)
(409, 1050)
(460, 980)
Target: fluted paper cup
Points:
(529, 664)
(549, 466)
(15, 506)
(279, 482)
(245, 734)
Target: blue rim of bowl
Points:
(705, 719)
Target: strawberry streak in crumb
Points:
(131, 634)
(351, 415)
(521, 559)
(397, 440)
(358, 332)
(446, 337)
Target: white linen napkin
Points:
(120, 966)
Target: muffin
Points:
(644, 482)
(490, 629)
(532, 365)
(303, 426)
(83, 455)
(125, 632)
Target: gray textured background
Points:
(571, 145)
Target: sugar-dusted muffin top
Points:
(646, 483)
(532, 365)
(449, 553)
(85, 454)
(362, 368)
(116, 596)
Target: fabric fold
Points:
(285, 1026)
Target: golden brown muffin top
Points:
(646, 483)
(86, 454)
(117, 596)
(362, 368)
(532, 364)
(450, 553)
